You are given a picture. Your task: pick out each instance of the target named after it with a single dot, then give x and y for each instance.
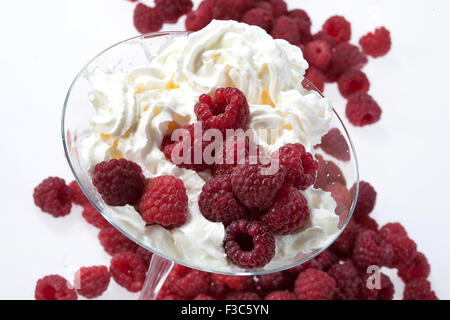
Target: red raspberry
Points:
(242, 296)
(128, 270)
(303, 24)
(362, 109)
(254, 187)
(115, 242)
(200, 18)
(119, 182)
(418, 268)
(334, 144)
(144, 255)
(273, 281)
(328, 173)
(316, 77)
(386, 292)
(323, 261)
(147, 19)
(217, 290)
(78, 196)
(318, 54)
(203, 296)
(53, 196)
(192, 284)
(348, 281)
(353, 81)
(227, 109)
(343, 200)
(405, 249)
(164, 202)
(344, 56)
(281, 295)
(217, 202)
(258, 17)
(265, 5)
(376, 44)
(322, 35)
(237, 283)
(171, 296)
(367, 197)
(301, 168)
(249, 244)
(339, 28)
(344, 243)
(279, 8)
(313, 284)
(286, 28)
(92, 281)
(172, 10)
(92, 216)
(229, 9)
(289, 212)
(54, 287)
(369, 249)
(366, 223)
(419, 289)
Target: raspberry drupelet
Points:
(91, 282)
(128, 270)
(249, 245)
(53, 196)
(54, 287)
(376, 44)
(119, 182)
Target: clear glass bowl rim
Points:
(206, 269)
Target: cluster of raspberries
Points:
(332, 58)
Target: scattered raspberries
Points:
(128, 271)
(227, 109)
(54, 287)
(147, 19)
(249, 244)
(217, 202)
(91, 282)
(53, 196)
(362, 109)
(334, 144)
(376, 44)
(313, 284)
(289, 212)
(164, 202)
(119, 182)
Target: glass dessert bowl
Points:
(76, 126)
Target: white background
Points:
(44, 44)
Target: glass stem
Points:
(156, 275)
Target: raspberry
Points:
(265, 5)
(147, 19)
(237, 283)
(300, 166)
(54, 287)
(128, 270)
(303, 24)
(115, 242)
(171, 296)
(344, 56)
(227, 109)
(348, 281)
(172, 10)
(78, 196)
(242, 296)
(339, 28)
(279, 8)
(198, 19)
(344, 243)
(366, 223)
(367, 197)
(289, 213)
(144, 255)
(369, 249)
(217, 290)
(253, 187)
(334, 144)
(376, 44)
(386, 292)
(316, 77)
(418, 268)
(322, 35)
(313, 284)
(258, 17)
(192, 284)
(229, 9)
(405, 249)
(286, 28)
(343, 199)
(353, 81)
(203, 296)
(92, 281)
(318, 54)
(164, 202)
(328, 173)
(92, 216)
(119, 182)
(419, 289)
(249, 244)
(281, 295)
(323, 261)
(53, 196)
(217, 202)
(273, 281)
(362, 109)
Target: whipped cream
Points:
(135, 110)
